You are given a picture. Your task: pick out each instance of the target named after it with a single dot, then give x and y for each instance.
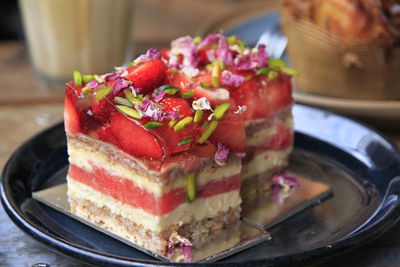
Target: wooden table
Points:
(25, 109)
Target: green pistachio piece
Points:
(198, 115)
(172, 123)
(272, 75)
(188, 94)
(232, 39)
(191, 187)
(183, 123)
(123, 101)
(290, 71)
(103, 92)
(220, 110)
(276, 63)
(197, 40)
(77, 78)
(87, 78)
(264, 70)
(87, 90)
(185, 141)
(207, 133)
(205, 85)
(129, 111)
(168, 89)
(153, 125)
(216, 71)
(99, 79)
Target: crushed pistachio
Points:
(153, 125)
(77, 78)
(220, 110)
(198, 115)
(99, 79)
(185, 141)
(272, 75)
(197, 40)
(276, 63)
(172, 123)
(264, 70)
(216, 72)
(103, 92)
(290, 71)
(183, 123)
(205, 85)
(128, 111)
(168, 89)
(130, 96)
(191, 187)
(188, 94)
(87, 90)
(86, 78)
(207, 133)
(123, 101)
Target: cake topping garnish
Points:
(179, 248)
(151, 110)
(191, 187)
(103, 92)
(208, 131)
(151, 53)
(123, 101)
(180, 125)
(86, 78)
(188, 94)
(240, 110)
(198, 115)
(153, 125)
(220, 110)
(202, 104)
(282, 186)
(222, 154)
(230, 79)
(77, 78)
(129, 111)
(186, 47)
(185, 141)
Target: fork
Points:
(274, 40)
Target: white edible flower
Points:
(240, 110)
(201, 104)
(190, 71)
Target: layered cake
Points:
(163, 151)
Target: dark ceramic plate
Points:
(360, 165)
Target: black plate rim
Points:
(88, 255)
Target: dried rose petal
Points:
(120, 84)
(223, 51)
(230, 79)
(93, 84)
(186, 47)
(112, 76)
(151, 54)
(152, 111)
(222, 154)
(260, 57)
(281, 186)
(210, 40)
(159, 96)
(173, 115)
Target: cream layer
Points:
(261, 136)
(85, 158)
(265, 161)
(198, 209)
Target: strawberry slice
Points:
(230, 131)
(178, 105)
(102, 110)
(148, 76)
(134, 139)
(71, 117)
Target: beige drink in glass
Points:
(91, 36)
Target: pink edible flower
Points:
(186, 47)
(151, 54)
(112, 76)
(152, 111)
(261, 57)
(222, 154)
(252, 61)
(180, 244)
(281, 186)
(119, 85)
(93, 84)
(230, 79)
(159, 96)
(224, 54)
(173, 115)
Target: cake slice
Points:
(156, 148)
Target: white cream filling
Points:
(82, 158)
(186, 212)
(265, 161)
